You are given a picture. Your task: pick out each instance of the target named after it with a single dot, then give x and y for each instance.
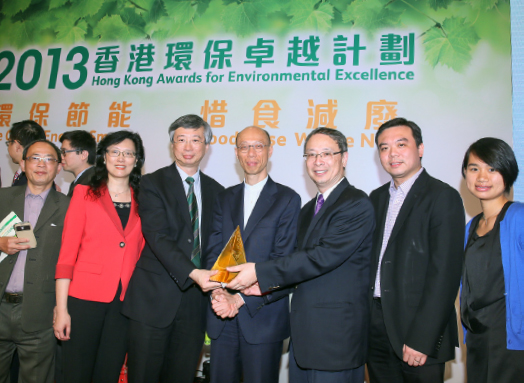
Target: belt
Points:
(377, 299)
(13, 297)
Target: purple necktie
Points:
(320, 202)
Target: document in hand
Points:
(233, 254)
(7, 229)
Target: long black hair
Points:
(101, 175)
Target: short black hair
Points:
(400, 121)
(497, 154)
(81, 140)
(26, 149)
(26, 132)
(100, 177)
(191, 121)
(337, 136)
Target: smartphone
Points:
(25, 230)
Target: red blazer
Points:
(96, 252)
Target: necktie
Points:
(193, 213)
(320, 202)
(15, 177)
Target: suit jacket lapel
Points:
(330, 201)
(207, 208)
(48, 210)
(262, 206)
(109, 207)
(133, 215)
(179, 194)
(415, 191)
(18, 202)
(237, 208)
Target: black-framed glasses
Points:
(36, 160)
(9, 142)
(322, 155)
(245, 148)
(117, 153)
(64, 152)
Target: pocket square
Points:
(53, 224)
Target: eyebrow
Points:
(403, 139)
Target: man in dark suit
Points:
(22, 134)
(78, 156)
(165, 299)
(329, 309)
(27, 275)
(416, 263)
(253, 328)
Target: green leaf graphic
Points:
(243, 18)
(56, 3)
(436, 4)
(163, 29)
(371, 15)
(83, 8)
(451, 44)
(307, 16)
(71, 34)
(12, 7)
(16, 34)
(182, 11)
(482, 5)
(112, 28)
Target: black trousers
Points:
(98, 344)
(170, 354)
(384, 366)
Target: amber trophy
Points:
(233, 254)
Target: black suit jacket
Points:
(421, 267)
(39, 272)
(330, 308)
(84, 179)
(270, 233)
(162, 273)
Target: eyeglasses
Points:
(116, 153)
(9, 142)
(245, 148)
(183, 141)
(36, 160)
(64, 152)
(323, 155)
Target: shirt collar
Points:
(328, 192)
(256, 188)
(82, 172)
(43, 195)
(405, 186)
(184, 175)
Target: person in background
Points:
(21, 134)
(166, 301)
(101, 244)
(253, 328)
(416, 264)
(27, 286)
(492, 295)
(78, 156)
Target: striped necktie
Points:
(16, 176)
(193, 213)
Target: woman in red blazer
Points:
(101, 243)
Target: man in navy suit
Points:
(252, 328)
(330, 308)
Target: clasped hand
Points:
(224, 304)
